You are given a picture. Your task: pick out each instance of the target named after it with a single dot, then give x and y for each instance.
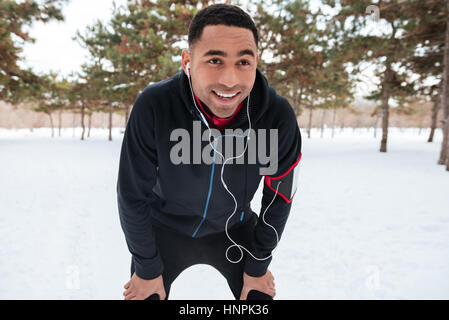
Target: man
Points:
(174, 213)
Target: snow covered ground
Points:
(364, 224)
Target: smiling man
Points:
(175, 215)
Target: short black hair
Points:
(220, 14)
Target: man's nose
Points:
(228, 78)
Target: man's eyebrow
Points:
(246, 51)
(215, 53)
(224, 54)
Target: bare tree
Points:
(444, 159)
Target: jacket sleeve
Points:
(136, 177)
(284, 180)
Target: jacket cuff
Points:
(148, 269)
(255, 268)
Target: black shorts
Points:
(179, 252)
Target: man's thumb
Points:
(244, 294)
(162, 294)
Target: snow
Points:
(364, 224)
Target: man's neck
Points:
(210, 112)
(220, 122)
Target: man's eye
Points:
(214, 61)
(244, 62)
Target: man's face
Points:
(222, 62)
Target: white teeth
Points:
(225, 95)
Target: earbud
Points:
(188, 69)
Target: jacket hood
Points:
(260, 97)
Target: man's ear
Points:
(185, 56)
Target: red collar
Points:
(220, 123)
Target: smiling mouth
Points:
(226, 96)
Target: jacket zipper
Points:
(208, 195)
(245, 194)
(210, 188)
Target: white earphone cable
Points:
(240, 247)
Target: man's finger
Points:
(130, 296)
(127, 292)
(126, 286)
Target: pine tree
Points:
(140, 45)
(304, 65)
(427, 24)
(18, 84)
(381, 42)
(51, 96)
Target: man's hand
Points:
(263, 284)
(140, 289)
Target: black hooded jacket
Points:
(189, 197)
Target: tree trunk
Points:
(435, 109)
(385, 107)
(444, 122)
(73, 124)
(376, 124)
(300, 100)
(89, 122)
(322, 122)
(59, 121)
(110, 122)
(334, 116)
(310, 123)
(82, 121)
(52, 125)
(445, 99)
(295, 99)
(446, 126)
(445, 102)
(126, 114)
